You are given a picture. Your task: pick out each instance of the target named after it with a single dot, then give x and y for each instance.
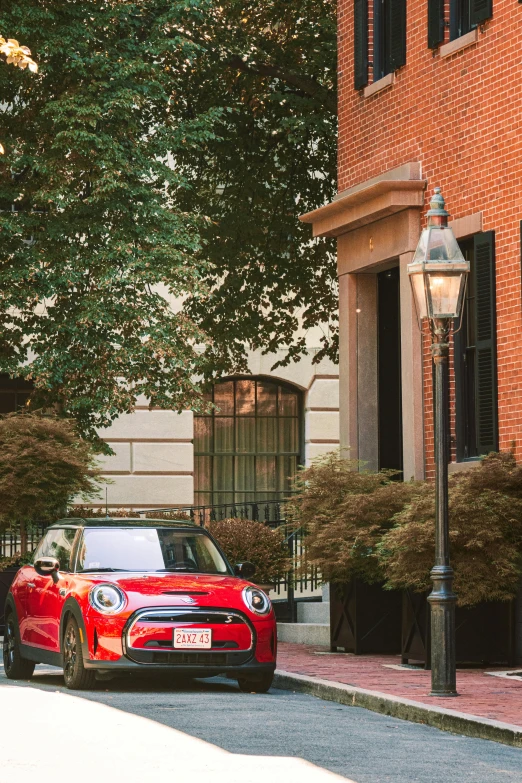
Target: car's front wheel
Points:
(15, 667)
(256, 684)
(76, 676)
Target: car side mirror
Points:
(47, 565)
(245, 570)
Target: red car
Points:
(105, 596)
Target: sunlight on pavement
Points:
(49, 736)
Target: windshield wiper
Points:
(178, 570)
(100, 570)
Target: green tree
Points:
(44, 464)
(271, 68)
(94, 242)
(19, 56)
(169, 147)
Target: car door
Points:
(46, 598)
(20, 591)
(25, 604)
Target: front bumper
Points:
(238, 644)
(124, 664)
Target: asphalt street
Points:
(356, 743)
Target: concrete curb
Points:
(406, 709)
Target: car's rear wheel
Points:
(15, 667)
(76, 676)
(256, 684)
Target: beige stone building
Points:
(266, 424)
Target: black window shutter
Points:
(458, 369)
(435, 23)
(360, 25)
(480, 10)
(397, 33)
(486, 359)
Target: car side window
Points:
(58, 544)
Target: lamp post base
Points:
(442, 602)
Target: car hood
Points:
(177, 589)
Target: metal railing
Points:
(269, 511)
(11, 542)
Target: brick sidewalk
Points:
(480, 694)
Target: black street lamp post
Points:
(438, 274)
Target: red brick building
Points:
(430, 94)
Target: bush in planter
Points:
(243, 539)
(485, 534)
(345, 510)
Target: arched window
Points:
(249, 446)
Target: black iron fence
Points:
(11, 542)
(270, 511)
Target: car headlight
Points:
(107, 599)
(256, 600)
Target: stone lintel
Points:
(467, 226)
(396, 190)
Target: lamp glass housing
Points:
(438, 274)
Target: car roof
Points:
(123, 522)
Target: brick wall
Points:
(461, 117)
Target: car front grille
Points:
(191, 616)
(160, 651)
(200, 659)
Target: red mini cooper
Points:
(107, 596)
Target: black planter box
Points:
(6, 580)
(365, 618)
(485, 634)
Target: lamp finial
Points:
(437, 215)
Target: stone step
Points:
(313, 612)
(304, 633)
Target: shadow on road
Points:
(136, 683)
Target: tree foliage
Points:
(94, 242)
(485, 534)
(270, 68)
(43, 465)
(167, 148)
(16, 54)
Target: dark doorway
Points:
(389, 369)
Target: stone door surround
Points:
(377, 225)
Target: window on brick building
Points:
(464, 16)
(475, 357)
(389, 36)
(389, 39)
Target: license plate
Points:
(196, 639)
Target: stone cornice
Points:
(391, 192)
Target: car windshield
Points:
(150, 549)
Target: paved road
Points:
(353, 742)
